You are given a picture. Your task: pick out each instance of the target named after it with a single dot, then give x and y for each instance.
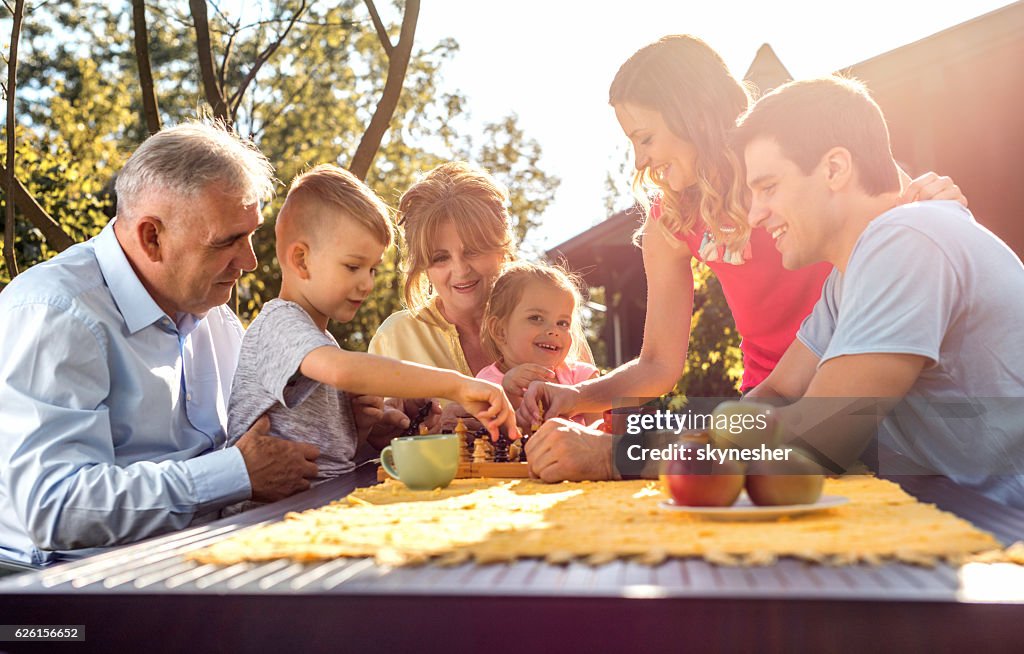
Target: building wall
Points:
(955, 105)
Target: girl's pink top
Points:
(569, 373)
(767, 301)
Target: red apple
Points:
(797, 480)
(704, 483)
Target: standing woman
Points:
(676, 101)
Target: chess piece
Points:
(501, 448)
(481, 451)
(414, 424)
(466, 440)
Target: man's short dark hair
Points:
(810, 117)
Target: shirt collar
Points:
(136, 305)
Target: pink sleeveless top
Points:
(767, 301)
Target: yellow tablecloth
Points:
(491, 520)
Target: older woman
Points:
(457, 237)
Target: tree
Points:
(322, 70)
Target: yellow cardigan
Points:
(425, 338)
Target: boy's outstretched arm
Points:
(368, 374)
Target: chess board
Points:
(477, 453)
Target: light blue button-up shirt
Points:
(112, 414)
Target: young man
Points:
(918, 318)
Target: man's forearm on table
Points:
(103, 504)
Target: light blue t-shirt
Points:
(927, 279)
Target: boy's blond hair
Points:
(318, 194)
(508, 292)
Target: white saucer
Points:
(744, 509)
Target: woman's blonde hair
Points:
(508, 292)
(468, 197)
(684, 80)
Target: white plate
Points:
(744, 509)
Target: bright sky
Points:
(551, 61)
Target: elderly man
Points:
(119, 354)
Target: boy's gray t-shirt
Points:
(268, 380)
(926, 279)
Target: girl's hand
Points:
(558, 400)
(488, 403)
(518, 379)
(932, 187)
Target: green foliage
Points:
(714, 362)
(309, 104)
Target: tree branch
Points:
(217, 10)
(213, 91)
(236, 97)
(150, 110)
(283, 106)
(398, 65)
(12, 76)
(222, 74)
(54, 234)
(382, 32)
(347, 24)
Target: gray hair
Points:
(186, 159)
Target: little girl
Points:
(528, 327)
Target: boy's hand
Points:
(277, 468)
(516, 380)
(488, 403)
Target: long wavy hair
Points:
(684, 80)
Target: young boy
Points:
(331, 234)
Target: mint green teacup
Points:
(422, 462)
